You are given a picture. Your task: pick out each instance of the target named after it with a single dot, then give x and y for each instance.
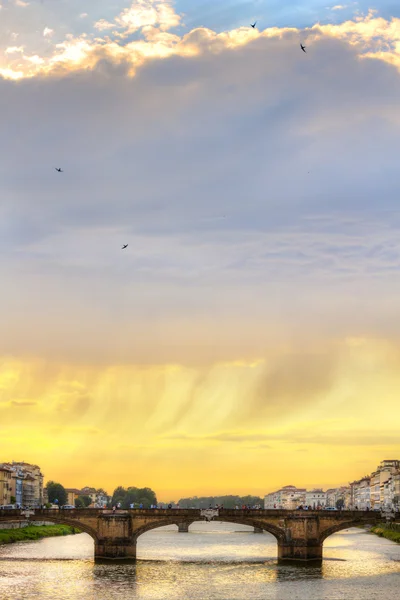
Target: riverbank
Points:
(386, 532)
(32, 532)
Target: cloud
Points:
(294, 381)
(14, 49)
(317, 234)
(47, 32)
(371, 36)
(23, 403)
(103, 25)
(148, 13)
(126, 405)
(226, 436)
(384, 437)
(142, 14)
(257, 303)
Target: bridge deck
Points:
(194, 513)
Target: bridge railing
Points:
(195, 513)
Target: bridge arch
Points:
(161, 523)
(340, 526)
(66, 521)
(274, 530)
(277, 532)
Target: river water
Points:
(214, 561)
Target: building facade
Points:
(5, 484)
(316, 499)
(72, 495)
(99, 498)
(338, 497)
(287, 498)
(17, 480)
(26, 483)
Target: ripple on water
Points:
(213, 561)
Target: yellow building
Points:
(5, 484)
(32, 482)
(72, 495)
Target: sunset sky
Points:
(249, 336)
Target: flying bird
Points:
(303, 48)
(59, 169)
(253, 25)
(124, 246)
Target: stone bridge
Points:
(299, 534)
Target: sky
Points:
(248, 337)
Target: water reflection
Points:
(213, 561)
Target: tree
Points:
(13, 499)
(56, 491)
(133, 495)
(79, 503)
(340, 504)
(86, 500)
(226, 501)
(118, 495)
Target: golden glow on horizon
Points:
(193, 431)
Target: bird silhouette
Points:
(124, 246)
(303, 48)
(253, 25)
(59, 169)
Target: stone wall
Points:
(21, 524)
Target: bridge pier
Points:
(299, 551)
(115, 538)
(115, 551)
(258, 530)
(183, 527)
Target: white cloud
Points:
(103, 25)
(372, 36)
(14, 49)
(339, 7)
(47, 32)
(143, 14)
(35, 59)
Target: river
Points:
(214, 561)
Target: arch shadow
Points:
(161, 523)
(66, 521)
(341, 526)
(278, 533)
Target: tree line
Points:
(126, 497)
(226, 501)
(57, 494)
